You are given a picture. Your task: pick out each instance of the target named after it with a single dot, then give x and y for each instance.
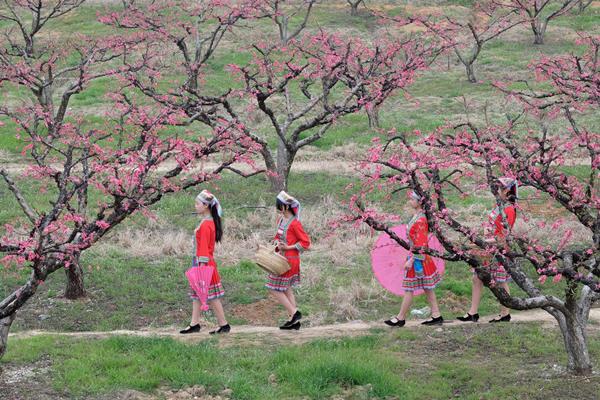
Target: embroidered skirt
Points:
(290, 279)
(428, 279)
(498, 273)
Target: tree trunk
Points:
(583, 4)
(471, 73)
(573, 332)
(354, 9)
(538, 31)
(5, 324)
(75, 288)
(283, 29)
(373, 114)
(279, 177)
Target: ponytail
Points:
(511, 196)
(218, 223)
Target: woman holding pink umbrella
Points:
(420, 271)
(208, 232)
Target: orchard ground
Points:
(135, 278)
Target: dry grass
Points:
(345, 152)
(242, 236)
(345, 300)
(523, 33)
(5, 156)
(152, 242)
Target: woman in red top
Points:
(501, 221)
(208, 232)
(291, 240)
(420, 271)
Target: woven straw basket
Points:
(270, 261)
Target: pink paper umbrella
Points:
(199, 279)
(388, 258)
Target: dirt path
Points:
(320, 163)
(337, 167)
(249, 333)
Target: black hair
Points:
(281, 206)
(511, 196)
(214, 212)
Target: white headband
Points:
(205, 197)
(414, 195)
(290, 201)
(508, 183)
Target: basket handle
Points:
(269, 247)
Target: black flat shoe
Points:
(295, 327)
(506, 318)
(395, 322)
(222, 329)
(469, 318)
(295, 318)
(434, 321)
(190, 329)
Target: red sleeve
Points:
(511, 216)
(202, 237)
(303, 241)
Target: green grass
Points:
(8, 137)
(83, 21)
(588, 21)
(470, 362)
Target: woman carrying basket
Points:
(290, 240)
(206, 235)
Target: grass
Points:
(470, 362)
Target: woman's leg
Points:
(476, 295)
(504, 310)
(196, 312)
(290, 295)
(217, 308)
(283, 299)
(405, 306)
(435, 308)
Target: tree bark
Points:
(583, 4)
(279, 177)
(539, 28)
(75, 287)
(373, 114)
(354, 8)
(5, 324)
(471, 73)
(575, 340)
